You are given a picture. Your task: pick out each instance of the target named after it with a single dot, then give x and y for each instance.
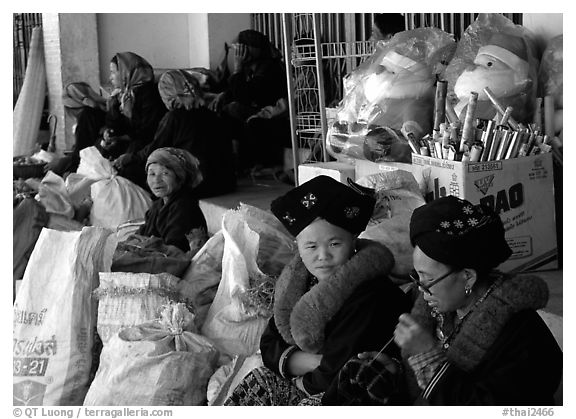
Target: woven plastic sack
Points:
(397, 195)
(115, 200)
(55, 315)
(256, 248)
(160, 363)
(127, 299)
(494, 52)
(200, 281)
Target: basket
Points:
(25, 171)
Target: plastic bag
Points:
(127, 299)
(494, 52)
(200, 281)
(115, 199)
(55, 315)
(256, 249)
(53, 195)
(393, 88)
(397, 195)
(551, 78)
(160, 363)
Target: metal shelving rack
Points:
(307, 61)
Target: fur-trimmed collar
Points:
(483, 326)
(301, 315)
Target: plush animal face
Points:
(489, 71)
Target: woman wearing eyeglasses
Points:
(473, 336)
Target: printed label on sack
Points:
(28, 393)
(485, 167)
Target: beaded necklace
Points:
(445, 339)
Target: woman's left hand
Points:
(411, 337)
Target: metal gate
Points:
(22, 24)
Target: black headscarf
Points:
(326, 198)
(455, 232)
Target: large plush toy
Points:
(495, 53)
(393, 92)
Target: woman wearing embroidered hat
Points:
(332, 301)
(172, 174)
(473, 336)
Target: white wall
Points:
(168, 40)
(223, 27)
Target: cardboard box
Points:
(337, 170)
(521, 190)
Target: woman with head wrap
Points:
(473, 336)
(254, 102)
(329, 302)
(172, 175)
(135, 107)
(88, 108)
(190, 126)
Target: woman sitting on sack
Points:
(172, 174)
(473, 336)
(330, 302)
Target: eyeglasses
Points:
(426, 288)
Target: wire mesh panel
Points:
(22, 25)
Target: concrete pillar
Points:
(71, 51)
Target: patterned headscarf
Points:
(134, 71)
(185, 166)
(176, 85)
(455, 232)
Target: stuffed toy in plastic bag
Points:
(494, 52)
(551, 78)
(394, 89)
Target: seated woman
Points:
(474, 336)
(135, 107)
(88, 108)
(190, 126)
(329, 302)
(258, 81)
(172, 176)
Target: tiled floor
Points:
(261, 192)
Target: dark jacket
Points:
(173, 220)
(147, 112)
(200, 132)
(364, 321)
(503, 355)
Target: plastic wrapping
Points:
(551, 78)
(494, 52)
(393, 89)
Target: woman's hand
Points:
(301, 362)
(122, 161)
(240, 56)
(217, 102)
(411, 337)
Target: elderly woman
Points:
(474, 336)
(329, 302)
(190, 126)
(172, 175)
(135, 107)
